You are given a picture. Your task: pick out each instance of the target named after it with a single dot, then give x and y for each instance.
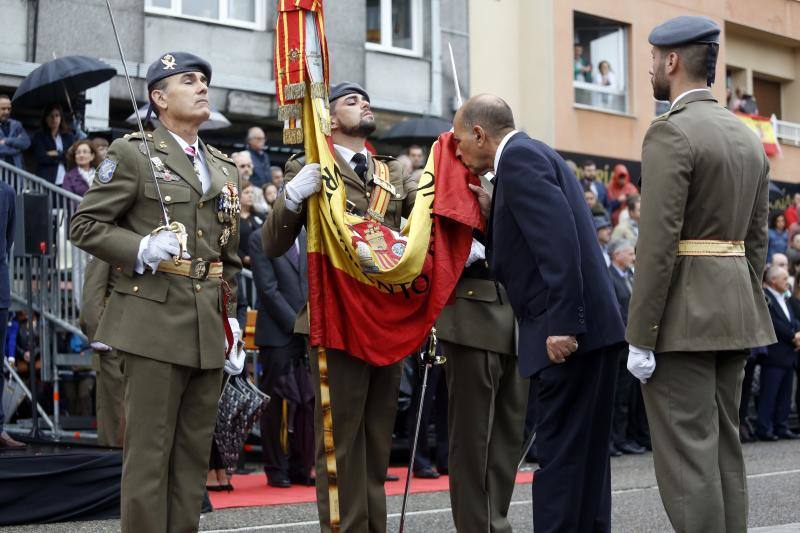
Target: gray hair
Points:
(775, 271)
(619, 245)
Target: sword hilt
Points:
(429, 355)
(180, 231)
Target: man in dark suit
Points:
(622, 257)
(777, 367)
(543, 248)
(282, 285)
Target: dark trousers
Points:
(434, 409)
(747, 389)
(572, 488)
(277, 362)
(622, 400)
(3, 328)
(774, 400)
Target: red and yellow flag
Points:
(762, 126)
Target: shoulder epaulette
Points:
(384, 158)
(219, 154)
(133, 135)
(298, 155)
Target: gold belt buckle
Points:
(199, 269)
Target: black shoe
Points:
(426, 473)
(769, 437)
(613, 451)
(745, 435)
(788, 435)
(278, 480)
(631, 448)
(306, 481)
(443, 470)
(391, 477)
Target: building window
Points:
(395, 26)
(600, 63)
(249, 14)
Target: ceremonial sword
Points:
(428, 357)
(175, 227)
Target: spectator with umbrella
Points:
(50, 145)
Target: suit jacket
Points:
(543, 249)
(47, 165)
(704, 176)
(282, 286)
(7, 227)
(781, 353)
(622, 291)
(16, 142)
(167, 317)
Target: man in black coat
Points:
(282, 285)
(777, 367)
(543, 249)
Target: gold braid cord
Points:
(327, 439)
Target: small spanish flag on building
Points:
(762, 126)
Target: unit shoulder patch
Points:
(106, 170)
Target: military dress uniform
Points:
(169, 325)
(109, 364)
(487, 399)
(363, 396)
(697, 300)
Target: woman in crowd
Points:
(81, 158)
(248, 223)
(778, 236)
(50, 145)
(604, 75)
(618, 190)
(270, 194)
(100, 149)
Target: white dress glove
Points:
(307, 182)
(100, 347)
(234, 364)
(153, 249)
(641, 363)
(477, 252)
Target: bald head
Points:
(478, 128)
(488, 111)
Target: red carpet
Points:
(252, 490)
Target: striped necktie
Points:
(192, 154)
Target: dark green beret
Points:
(345, 88)
(173, 63)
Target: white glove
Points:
(153, 249)
(307, 182)
(234, 364)
(100, 347)
(641, 363)
(477, 252)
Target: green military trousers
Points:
(692, 402)
(170, 412)
(109, 393)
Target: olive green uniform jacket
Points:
(166, 317)
(704, 176)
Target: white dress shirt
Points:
(781, 302)
(347, 154)
(675, 102)
(501, 147)
(205, 178)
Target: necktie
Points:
(191, 153)
(629, 280)
(361, 165)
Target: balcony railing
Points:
(786, 132)
(591, 95)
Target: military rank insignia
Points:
(228, 210)
(106, 170)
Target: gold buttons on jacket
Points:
(119, 269)
(654, 327)
(135, 288)
(200, 205)
(470, 293)
(199, 233)
(168, 198)
(198, 287)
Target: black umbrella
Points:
(57, 80)
(417, 130)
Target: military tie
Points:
(361, 165)
(191, 153)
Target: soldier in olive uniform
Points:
(107, 362)
(697, 304)
(167, 312)
(363, 396)
(487, 397)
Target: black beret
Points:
(685, 30)
(345, 88)
(177, 63)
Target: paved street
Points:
(773, 471)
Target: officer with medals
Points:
(363, 397)
(697, 303)
(173, 289)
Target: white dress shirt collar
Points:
(781, 301)
(347, 154)
(501, 147)
(675, 102)
(205, 178)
